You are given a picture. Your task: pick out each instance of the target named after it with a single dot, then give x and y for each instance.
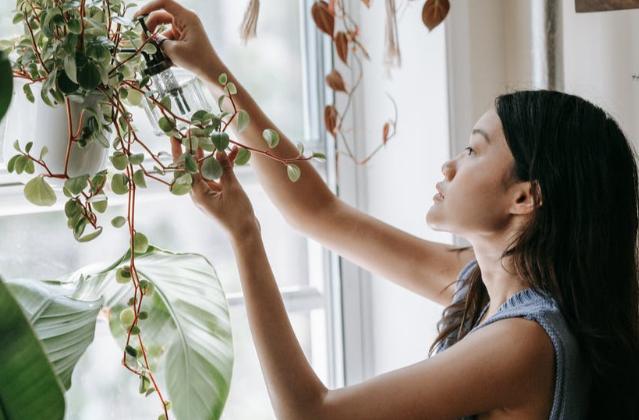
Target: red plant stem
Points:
(234, 113)
(82, 14)
(70, 140)
(349, 100)
(22, 75)
(117, 103)
(35, 47)
(154, 177)
(162, 108)
(108, 11)
(137, 51)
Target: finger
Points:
(170, 6)
(233, 154)
(176, 149)
(227, 167)
(157, 18)
(214, 186)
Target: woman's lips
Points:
(438, 197)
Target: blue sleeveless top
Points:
(572, 379)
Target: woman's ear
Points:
(526, 197)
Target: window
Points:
(279, 70)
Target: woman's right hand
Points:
(187, 43)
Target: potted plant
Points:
(85, 64)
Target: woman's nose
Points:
(448, 169)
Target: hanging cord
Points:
(248, 29)
(393, 56)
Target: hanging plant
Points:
(86, 65)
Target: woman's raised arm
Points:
(425, 267)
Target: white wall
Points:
(601, 53)
(398, 184)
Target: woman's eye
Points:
(470, 150)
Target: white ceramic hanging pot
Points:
(48, 126)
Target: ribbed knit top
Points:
(571, 375)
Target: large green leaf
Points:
(65, 326)
(6, 84)
(29, 388)
(188, 316)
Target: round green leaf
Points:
(91, 236)
(211, 168)
(140, 243)
(70, 68)
(189, 163)
(123, 274)
(120, 184)
(89, 76)
(137, 158)
(134, 97)
(100, 203)
(166, 125)
(201, 117)
(220, 140)
(26, 88)
(243, 156)
(65, 84)
(118, 221)
(243, 120)
(77, 184)
(138, 178)
(38, 192)
(271, 137)
(12, 163)
(222, 78)
(127, 316)
(119, 160)
(293, 172)
(182, 184)
(231, 88)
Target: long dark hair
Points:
(581, 243)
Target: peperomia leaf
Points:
(211, 168)
(293, 171)
(271, 137)
(38, 192)
(243, 156)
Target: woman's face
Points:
(477, 184)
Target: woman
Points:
(541, 323)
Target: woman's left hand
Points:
(225, 200)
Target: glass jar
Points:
(185, 91)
